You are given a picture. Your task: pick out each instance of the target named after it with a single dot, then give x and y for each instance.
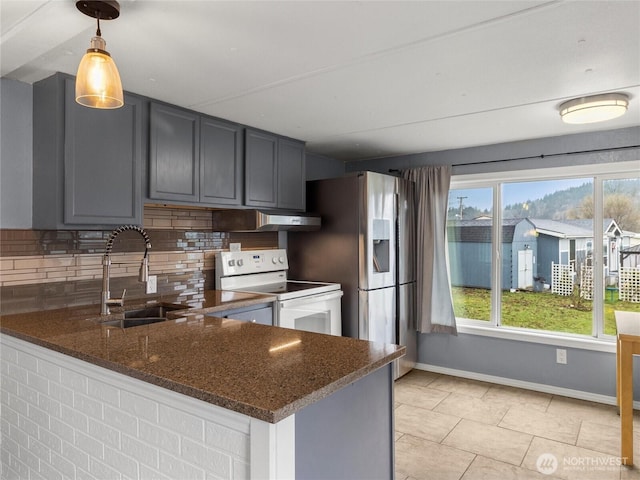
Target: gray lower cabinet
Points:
(87, 163)
(350, 434)
(262, 314)
(194, 159)
(274, 171)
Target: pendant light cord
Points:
(98, 32)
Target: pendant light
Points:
(98, 82)
(595, 108)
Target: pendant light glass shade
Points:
(98, 83)
(596, 108)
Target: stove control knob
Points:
(232, 263)
(281, 259)
(274, 260)
(240, 262)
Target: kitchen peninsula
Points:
(197, 396)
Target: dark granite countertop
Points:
(265, 372)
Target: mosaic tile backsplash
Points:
(46, 269)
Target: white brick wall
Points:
(62, 418)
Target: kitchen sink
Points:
(132, 322)
(157, 311)
(142, 316)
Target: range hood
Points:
(262, 221)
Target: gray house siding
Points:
(507, 266)
(462, 257)
(548, 253)
(470, 251)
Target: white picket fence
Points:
(586, 283)
(628, 284)
(562, 279)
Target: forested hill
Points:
(554, 206)
(621, 202)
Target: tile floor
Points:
(450, 428)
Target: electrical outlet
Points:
(152, 284)
(561, 356)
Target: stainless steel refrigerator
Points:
(367, 244)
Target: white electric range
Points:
(301, 305)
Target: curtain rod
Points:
(531, 157)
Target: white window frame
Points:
(598, 173)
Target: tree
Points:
(621, 208)
(618, 206)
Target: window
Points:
(524, 251)
(470, 244)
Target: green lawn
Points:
(537, 310)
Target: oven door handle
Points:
(321, 297)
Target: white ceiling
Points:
(353, 79)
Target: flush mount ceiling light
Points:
(98, 82)
(595, 108)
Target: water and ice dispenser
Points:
(381, 238)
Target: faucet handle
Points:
(117, 302)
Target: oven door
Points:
(319, 313)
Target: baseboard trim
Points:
(510, 382)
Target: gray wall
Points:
(578, 149)
(319, 167)
(586, 370)
(16, 166)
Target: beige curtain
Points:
(434, 304)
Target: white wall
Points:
(66, 419)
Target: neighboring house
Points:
(529, 248)
(562, 243)
(470, 252)
(614, 239)
(630, 256)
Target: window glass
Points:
(545, 232)
(620, 247)
(561, 240)
(469, 235)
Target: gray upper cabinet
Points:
(291, 175)
(194, 159)
(221, 167)
(261, 167)
(275, 171)
(87, 163)
(174, 154)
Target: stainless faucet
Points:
(143, 276)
